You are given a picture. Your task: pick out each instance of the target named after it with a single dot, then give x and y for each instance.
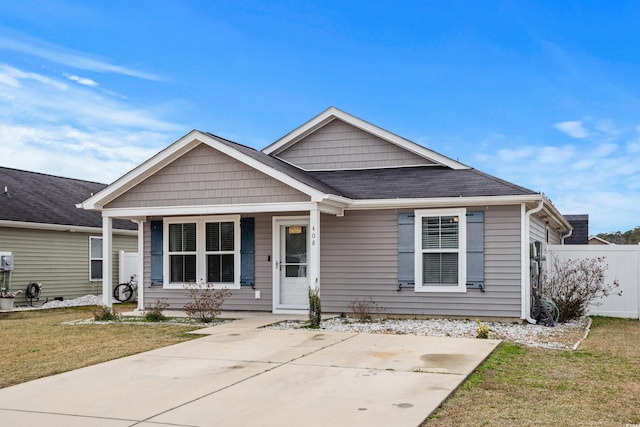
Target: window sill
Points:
(186, 286)
(441, 289)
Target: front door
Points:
(291, 275)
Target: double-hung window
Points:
(95, 258)
(440, 250)
(202, 250)
(182, 252)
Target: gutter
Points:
(63, 227)
(526, 272)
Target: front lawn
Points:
(36, 344)
(599, 384)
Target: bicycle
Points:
(124, 291)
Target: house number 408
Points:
(313, 236)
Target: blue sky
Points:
(545, 94)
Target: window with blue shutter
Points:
(406, 240)
(475, 249)
(247, 251)
(156, 253)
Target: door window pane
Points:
(296, 244)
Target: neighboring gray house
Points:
(338, 204)
(53, 242)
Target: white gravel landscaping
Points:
(76, 302)
(563, 336)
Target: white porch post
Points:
(107, 245)
(140, 273)
(314, 252)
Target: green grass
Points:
(599, 384)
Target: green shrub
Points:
(482, 331)
(315, 308)
(103, 313)
(154, 311)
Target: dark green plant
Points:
(315, 308)
(205, 302)
(154, 311)
(103, 313)
(362, 310)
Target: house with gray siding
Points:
(52, 241)
(339, 205)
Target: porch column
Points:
(314, 252)
(140, 273)
(107, 246)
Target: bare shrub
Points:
(205, 301)
(574, 284)
(362, 310)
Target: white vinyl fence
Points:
(623, 265)
(128, 266)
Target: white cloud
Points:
(12, 76)
(100, 156)
(70, 58)
(82, 80)
(574, 129)
(510, 154)
(556, 155)
(37, 97)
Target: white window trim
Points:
(91, 238)
(461, 213)
(201, 264)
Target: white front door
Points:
(291, 265)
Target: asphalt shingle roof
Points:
(417, 182)
(48, 199)
(280, 166)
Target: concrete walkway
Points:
(238, 375)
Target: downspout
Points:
(566, 236)
(526, 271)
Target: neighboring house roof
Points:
(580, 234)
(595, 240)
(38, 198)
(417, 183)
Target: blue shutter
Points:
(247, 251)
(156, 253)
(406, 260)
(475, 249)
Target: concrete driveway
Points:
(238, 375)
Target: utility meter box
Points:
(6, 261)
